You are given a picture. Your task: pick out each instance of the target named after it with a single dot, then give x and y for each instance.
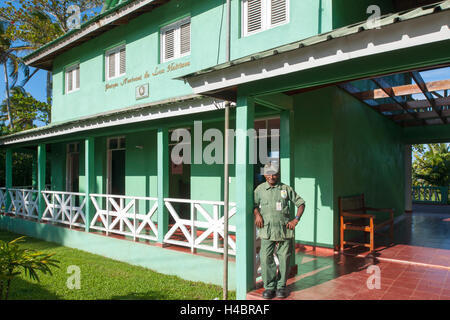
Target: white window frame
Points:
(116, 51)
(74, 82)
(177, 27)
(266, 18)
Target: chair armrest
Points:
(390, 210)
(356, 215)
(379, 209)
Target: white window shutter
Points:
(278, 12)
(123, 61)
(169, 44)
(254, 15)
(185, 38)
(111, 65)
(69, 81)
(77, 77)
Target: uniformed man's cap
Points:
(271, 168)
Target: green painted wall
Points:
(313, 154)
(346, 12)
(368, 155)
(343, 148)
(57, 159)
(141, 35)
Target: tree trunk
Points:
(8, 107)
(8, 285)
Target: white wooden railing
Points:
(200, 234)
(124, 215)
(24, 202)
(3, 195)
(65, 207)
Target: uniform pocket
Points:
(264, 232)
(287, 233)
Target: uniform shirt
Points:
(273, 203)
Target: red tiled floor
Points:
(407, 272)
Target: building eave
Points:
(43, 57)
(207, 80)
(190, 104)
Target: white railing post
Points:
(193, 228)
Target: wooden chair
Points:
(354, 216)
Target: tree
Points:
(8, 58)
(431, 165)
(24, 111)
(37, 22)
(13, 258)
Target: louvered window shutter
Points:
(169, 44)
(278, 12)
(254, 15)
(77, 77)
(69, 81)
(111, 65)
(185, 38)
(122, 61)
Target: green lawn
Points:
(103, 278)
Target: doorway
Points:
(269, 124)
(180, 182)
(72, 167)
(116, 166)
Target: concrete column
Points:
(41, 167)
(34, 181)
(287, 161)
(408, 178)
(8, 177)
(163, 182)
(89, 168)
(245, 236)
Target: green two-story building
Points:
(326, 75)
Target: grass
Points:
(103, 278)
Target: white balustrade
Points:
(200, 234)
(125, 215)
(3, 195)
(65, 207)
(24, 202)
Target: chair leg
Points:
(372, 238)
(342, 233)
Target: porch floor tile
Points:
(415, 267)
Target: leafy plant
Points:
(431, 166)
(14, 260)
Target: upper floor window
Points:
(72, 78)
(176, 40)
(260, 15)
(115, 62)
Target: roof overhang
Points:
(182, 106)
(398, 31)
(43, 57)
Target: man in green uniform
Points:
(271, 212)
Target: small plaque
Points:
(142, 91)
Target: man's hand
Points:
(259, 221)
(291, 224)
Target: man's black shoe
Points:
(282, 293)
(268, 294)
